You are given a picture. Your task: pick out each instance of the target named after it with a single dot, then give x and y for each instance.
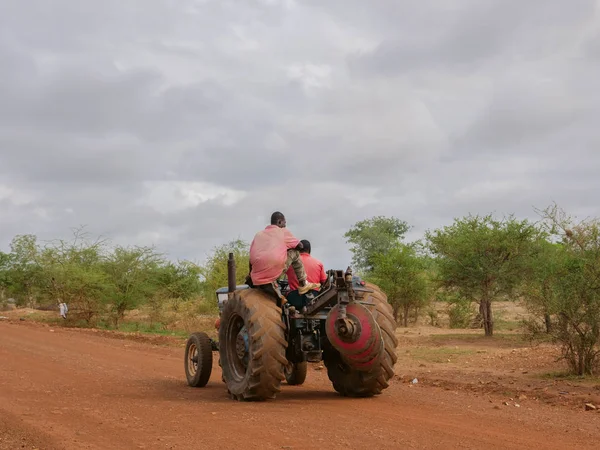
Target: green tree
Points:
(4, 269)
(567, 289)
(214, 271)
(400, 273)
(4, 274)
(482, 258)
(373, 236)
(72, 272)
(132, 275)
(179, 281)
(25, 274)
(539, 290)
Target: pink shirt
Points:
(315, 272)
(268, 253)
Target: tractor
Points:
(265, 336)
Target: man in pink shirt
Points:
(315, 272)
(273, 251)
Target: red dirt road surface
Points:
(72, 389)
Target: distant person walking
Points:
(63, 310)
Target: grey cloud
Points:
(146, 120)
(81, 103)
(471, 33)
(524, 110)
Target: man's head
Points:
(305, 246)
(278, 219)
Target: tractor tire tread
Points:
(265, 371)
(353, 383)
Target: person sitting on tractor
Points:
(315, 273)
(272, 252)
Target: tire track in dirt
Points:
(69, 389)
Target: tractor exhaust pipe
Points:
(231, 285)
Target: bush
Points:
(433, 316)
(563, 289)
(400, 273)
(460, 315)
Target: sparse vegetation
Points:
(551, 268)
(101, 283)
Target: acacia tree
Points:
(482, 258)
(178, 281)
(539, 289)
(24, 274)
(214, 271)
(73, 273)
(132, 274)
(400, 273)
(571, 286)
(373, 236)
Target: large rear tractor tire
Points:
(252, 346)
(295, 374)
(384, 315)
(354, 383)
(198, 359)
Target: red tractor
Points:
(265, 339)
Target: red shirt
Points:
(268, 253)
(315, 272)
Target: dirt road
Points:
(70, 389)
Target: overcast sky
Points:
(185, 123)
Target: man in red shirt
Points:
(315, 272)
(273, 251)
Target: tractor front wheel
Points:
(198, 359)
(252, 345)
(295, 373)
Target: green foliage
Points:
(564, 286)
(539, 290)
(24, 274)
(4, 272)
(373, 236)
(179, 281)
(133, 275)
(433, 316)
(93, 279)
(460, 314)
(459, 309)
(399, 272)
(72, 273)
(483, 258)
(214, 270)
